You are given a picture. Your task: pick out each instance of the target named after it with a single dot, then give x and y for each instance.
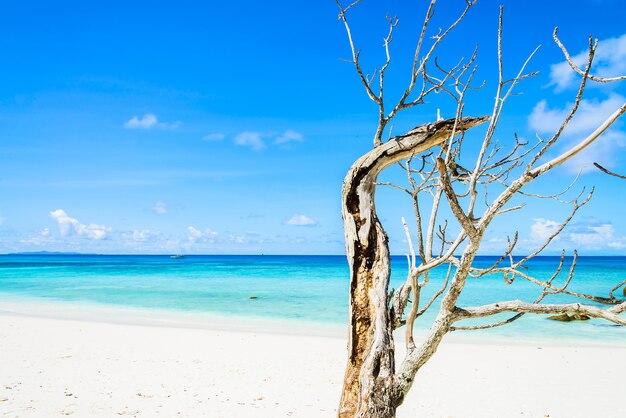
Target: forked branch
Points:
(576, 68)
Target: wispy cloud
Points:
(258, 140)
(593, 235)
(289, 136)
(43, 237)
(70, 226)
(609, 61)
(251, 139)
(140, 235)
(146, 122)
(300, 220)
(216, 136)
(196, 235)
(587, 233)
(160, 208)
(149, 121)
(590, 114)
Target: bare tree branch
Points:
(355, 52)
(463, 219)
(611, 173)
(617, 287)
(575, 67)
(525, 307)
(372, 386)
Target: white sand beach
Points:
(60, 367)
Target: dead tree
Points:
(374, 386)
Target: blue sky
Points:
(215, 127)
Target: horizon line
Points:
(262, 254)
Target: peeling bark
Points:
(370, 387)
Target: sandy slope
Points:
(52, 367)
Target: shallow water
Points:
(296, 288)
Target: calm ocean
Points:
(293, 288)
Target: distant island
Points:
(48, 253)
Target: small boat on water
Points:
(177, 256)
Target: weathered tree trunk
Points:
(370, 387)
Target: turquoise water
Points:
(297, 288)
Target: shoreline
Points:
(57, 367)
(124, 315)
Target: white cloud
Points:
(563, 76)
(609, 61)
(142, 240)
(149, 121)
(43, 237)
(160, 208)
(257, 140)
(594, 234)
(214, 137)
(300, 220)
(289, 136)
(143, 235)
(195, 235)
(93, 231)
(542, 229)
(69, 226)
(589, 234)
(590, 115)
(250, 139)
(619, 244)
(238, 239)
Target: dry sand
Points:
(59, 367)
